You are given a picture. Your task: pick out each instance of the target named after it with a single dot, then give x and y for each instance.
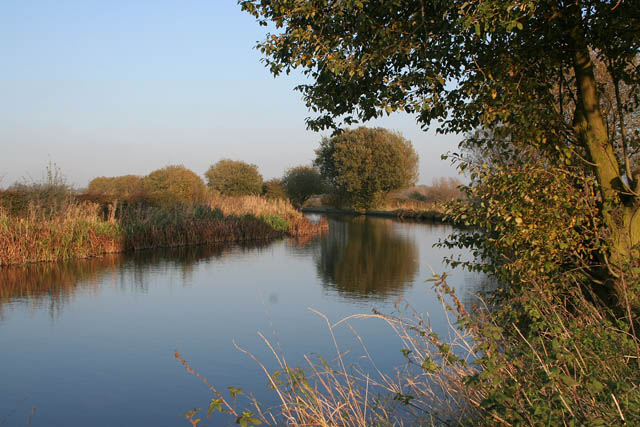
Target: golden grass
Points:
(253, 205)
(79, 229)
(428, 390)
(73, 231)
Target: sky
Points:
(108, 88)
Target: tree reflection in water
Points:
(366, 258)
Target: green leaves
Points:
(234, 178)
(247, 419)
(234, 391)
(301, 182)
(429, 365)
(215, 405)
(363, 164)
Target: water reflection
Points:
(95, 338)
(53, 285)
(366, 258)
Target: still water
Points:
(91, 342)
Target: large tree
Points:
(234, 178)
(362, 165)
(302, 182)
(521, 69)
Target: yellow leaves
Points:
(518, 220)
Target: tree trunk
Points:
(619, 204)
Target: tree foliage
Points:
(234, 178)
(175, 184)
(522, 70)
(302, 182)
(273, 189)
(362, 165)
(119, 186)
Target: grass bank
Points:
(401, 209)
(430, 214)
(83, 229)
(423, 203)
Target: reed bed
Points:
(254, 205)
(72, 231)
(146, 228)
(279, 213)
(408, 208)
(86, 229)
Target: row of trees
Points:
(359, 166)
(169, 185)
(177, 184)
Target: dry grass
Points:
(253, 205)
(74, 231)
(80, 230)
(428, 390)
(581, 369)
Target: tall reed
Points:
(86, 229)
(254, 205)
(75, 231)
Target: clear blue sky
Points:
(106, 88)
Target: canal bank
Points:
(420, 215)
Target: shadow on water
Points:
(52, 285)
(365, 258)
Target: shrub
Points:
(234, 178)
(417, 196)
(174, 185)
(363, 165)
(273, 189)
(118, 186)
(302, 182)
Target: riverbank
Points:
(416, 214)
(81, 230)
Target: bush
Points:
(363, 165)
(417, 196)
(302, 182)
(175, 185)
(118, 186)
(273, 189)
(234, 178)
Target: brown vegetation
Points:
(85, 229)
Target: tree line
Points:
(359, 167)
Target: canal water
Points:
(92, 342)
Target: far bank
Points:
(434, 215)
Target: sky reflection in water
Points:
(91, 342)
